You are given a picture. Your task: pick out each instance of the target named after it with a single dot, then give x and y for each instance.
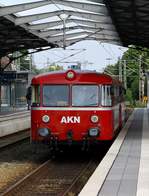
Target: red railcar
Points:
(75, 107)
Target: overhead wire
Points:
(136, 57)
(72, 55)
(106, 50)
(112, 51)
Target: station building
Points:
(13, 87)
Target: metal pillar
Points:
(140, 79)
(125, 74)
(120, 70)
(64, 20)
(0, 88)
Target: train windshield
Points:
(55, 95)
(85, 95)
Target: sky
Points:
(98, 55)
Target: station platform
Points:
(124, 171)
(13, 112)
(13, 122)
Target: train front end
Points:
(70, 108)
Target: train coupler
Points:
(69, 137)
(84, 144)
(54, 143)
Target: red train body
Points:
(76, 107)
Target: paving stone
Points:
(123, 177)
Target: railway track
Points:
(54, 178)
(16, 161)
(66, 174)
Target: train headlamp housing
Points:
(43, 132)
(46, 119)
(93, 132)
(94, 118)
(70, 75)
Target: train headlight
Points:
(93, 132)
(94, 119)
(45, 118)
(44, 132)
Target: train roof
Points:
(80, 76)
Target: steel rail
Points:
(64, 190)
(77, 179)
(12, 189)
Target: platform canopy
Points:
(54, 23)
(131, 19)
(61, 23)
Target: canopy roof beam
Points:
(51, 32)
(58, 38)
(75, 40)
(91, 7)
(70, 21)
(87, 15)
(91, 23)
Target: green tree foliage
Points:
(112, 70)
(134, 87)
(52, 67)
(129, 96)
(25, 60)
(132, 56)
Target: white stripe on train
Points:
(73, 108)
(78, 108)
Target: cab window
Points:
(106, 99)
(36, 95)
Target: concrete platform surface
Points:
(124, 171)
(14, 122)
